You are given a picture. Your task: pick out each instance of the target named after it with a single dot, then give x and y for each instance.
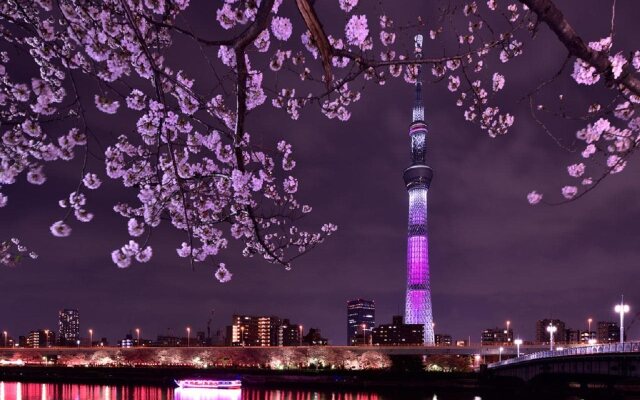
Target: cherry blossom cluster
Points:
(611, 135)
(192, 159)
(13, 251)
(183, 158)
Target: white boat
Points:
(208, 384)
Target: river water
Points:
(61, 391)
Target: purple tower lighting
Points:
(418, 178)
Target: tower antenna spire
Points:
(418, 107)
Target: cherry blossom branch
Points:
(547, 12)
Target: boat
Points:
(208, 384)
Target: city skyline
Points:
(229, 334)
(495, 257)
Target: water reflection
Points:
(59, 391)
(49, 391)
(207, 394)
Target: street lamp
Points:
(242, 335)
(621, 309)
(90, 337)
(589, 321)
(5, 333)
(46, 338)
(78, 343)
(500, 350)
(364, 333)
(188, 336)
(551, 329)
(507, 332)
(518, 342)
(138, 336)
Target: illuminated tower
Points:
(418, 178)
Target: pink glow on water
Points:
(63, 391)
(207, 394)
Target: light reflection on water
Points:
(61, 391)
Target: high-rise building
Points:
(397, 333)
(417, 179)
(361, 319)
(608, 332)
(542, 336)
(69, 327)
(290, 334)
(496, 336)
(269, 331)
(244, 331)
(40, 338)
(263, 331)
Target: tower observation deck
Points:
(417, 178)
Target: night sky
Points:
(493, 256)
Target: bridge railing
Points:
(628, 347)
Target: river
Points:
(62, 391)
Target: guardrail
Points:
(628, 347)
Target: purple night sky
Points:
(492, 256)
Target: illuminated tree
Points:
(190, 154)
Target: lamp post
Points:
(551, 329)
(518, 342)
(46, 338)
(138, 336)
(500, 350)
(507, 332)
(621, 309)
(90, 337)
(242, 335)
(188, 336)
(5, 333)
(364, 333)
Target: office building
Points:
(361, 319)
(397, 333)
(608, 332)
(496, 337)
(443, 339)
(69, 327)
(40, 338)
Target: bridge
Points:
(615, 360)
